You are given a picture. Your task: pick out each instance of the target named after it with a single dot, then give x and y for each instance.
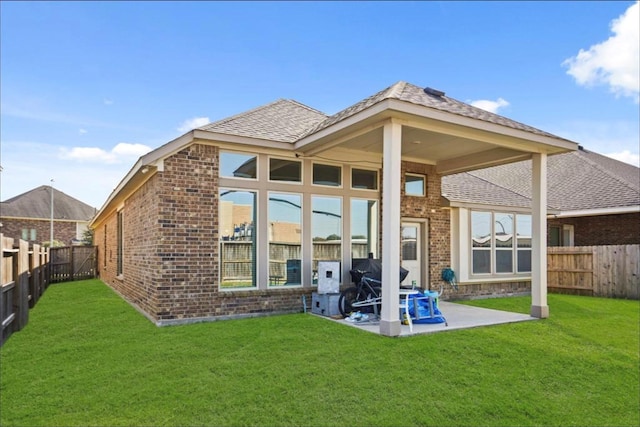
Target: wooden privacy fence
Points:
(24, 278)
(73, 263)
(602, 271)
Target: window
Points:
(104, 246)
(285, 239)
(120, 243)
(327, 175)
(32, 234)
(237, 238)
(236, 165)
(560, 235)
(285, 170)
(364, 228)
(25, 234)
(523, 240)
(364, 179)
(326, 229)
(481, 242)
(415, 185)
(500, 241)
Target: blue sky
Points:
(88, 87)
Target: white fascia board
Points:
(490, 207)
(467, 127)
(480, 125)
(242, 140)
(598, 212)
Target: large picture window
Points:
(364, 228)
(500, 243)
(237, 238)
(285, 239)
(326, 229)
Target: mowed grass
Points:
(87, 358)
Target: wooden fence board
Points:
(606, 271)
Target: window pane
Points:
(285, 170)
(237, 165)
(554, 236)
(326, 229)
(481, 261)
(414, 185)
(364, 179)
(409, 243)
(524, 261)
(364, 228)
(285, 239)
(504, 261)
(327, 175)
(523, 230)
(504, 230)
(33, 234)
(25, 234)
(237, 238)
(481, 229)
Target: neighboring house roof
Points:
(283, 120)
(36, 204)
(576, 181)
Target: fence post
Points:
(21, 277)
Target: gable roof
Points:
(283, 120)
(576, 181)
(286, 120)
(430, 98)
(36, 204)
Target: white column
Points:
(539, 307)
(391, 165)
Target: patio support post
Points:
(391, 165)
(539, 307)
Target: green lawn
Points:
(88, 358)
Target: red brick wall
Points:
(171, 247)
(439, 219)
(63, 231)
(623, 229)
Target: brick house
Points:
(28, 216)
(592, 200)
(196, 230)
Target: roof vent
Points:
(434, 92)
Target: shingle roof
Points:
(408, 92)
(577, 180)
(283, 120)
(288, 121)
(36, 204)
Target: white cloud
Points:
(491, 106)
(107, 101)
(626, 156)
(122, 152)
(614, 62)
(82, 131)
(193, 123)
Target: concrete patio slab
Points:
(458, 316)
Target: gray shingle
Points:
(408, 92)
(578, 180)
(283, 120)
(36, 203)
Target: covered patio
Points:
(459, 316)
